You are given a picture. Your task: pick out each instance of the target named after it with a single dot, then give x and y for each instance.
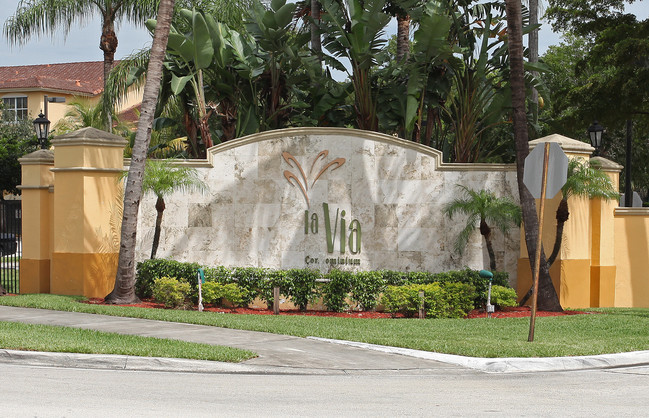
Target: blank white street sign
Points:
(557, 170)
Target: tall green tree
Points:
(547, 295)
(17, 138)
(39, 17)
(162, 178)
(482, 209)
(354, 30)
(124, 289)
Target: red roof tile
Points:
(131, 115)
(73, 77)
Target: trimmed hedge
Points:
(340, 291)
(170, 291)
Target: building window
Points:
(16, 107)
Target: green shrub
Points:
(274, 278)
(366, 287)
(336, 290)
(399, 299)
(441, 300)
(503, 296)
(149, 270)
(170, 291)
(218, 274)
(216, 293)
(250, 279)
(466, 276)
(302, 286)
(459, 299)
(394, 278)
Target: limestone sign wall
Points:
(325, 198)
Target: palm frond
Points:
(34, 18)
(162, 178)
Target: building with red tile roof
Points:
(24, 88)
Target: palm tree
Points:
(583, 180)
(37, 17)
(124, 290)
(355, 30)
(83, 113)
(161, 178)
(485, 207)
(547, 295)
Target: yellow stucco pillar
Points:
(37, 181)
(87, 212)
(571, 271)
(603, 267)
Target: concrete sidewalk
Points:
(279, 354)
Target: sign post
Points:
(553, 164)
(201, 279)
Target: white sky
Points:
(82, 44)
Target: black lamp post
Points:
(42, 128)
(595, 132)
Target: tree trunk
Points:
(562, 216)
(108, 44)
(316, 44)
(403, 37)
(486, 233)
(547, 296)
(160, 208)
(533, 39)
(124, 290)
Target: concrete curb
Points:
(136, 363)
(514, 364)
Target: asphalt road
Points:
(29, 391)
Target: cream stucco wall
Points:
(253, 216)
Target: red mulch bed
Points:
(516, 312)
(520, 312)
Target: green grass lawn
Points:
(16, 336)
(616, 330)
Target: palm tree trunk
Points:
(124, 290)
(547, 296)
(403, 37)
(316, 44)
(160, 208)
(533, 39)
(108, 44)
(486, 233)
(562, 216)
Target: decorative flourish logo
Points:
(302, 181)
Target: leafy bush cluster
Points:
(170, 291)
(503, 296)
(441, 299)
(451, 294)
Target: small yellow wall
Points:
(37, 179)
(602, 257)
(71, 215)
(632, 257)
(87, 212)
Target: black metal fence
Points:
(10, 244)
